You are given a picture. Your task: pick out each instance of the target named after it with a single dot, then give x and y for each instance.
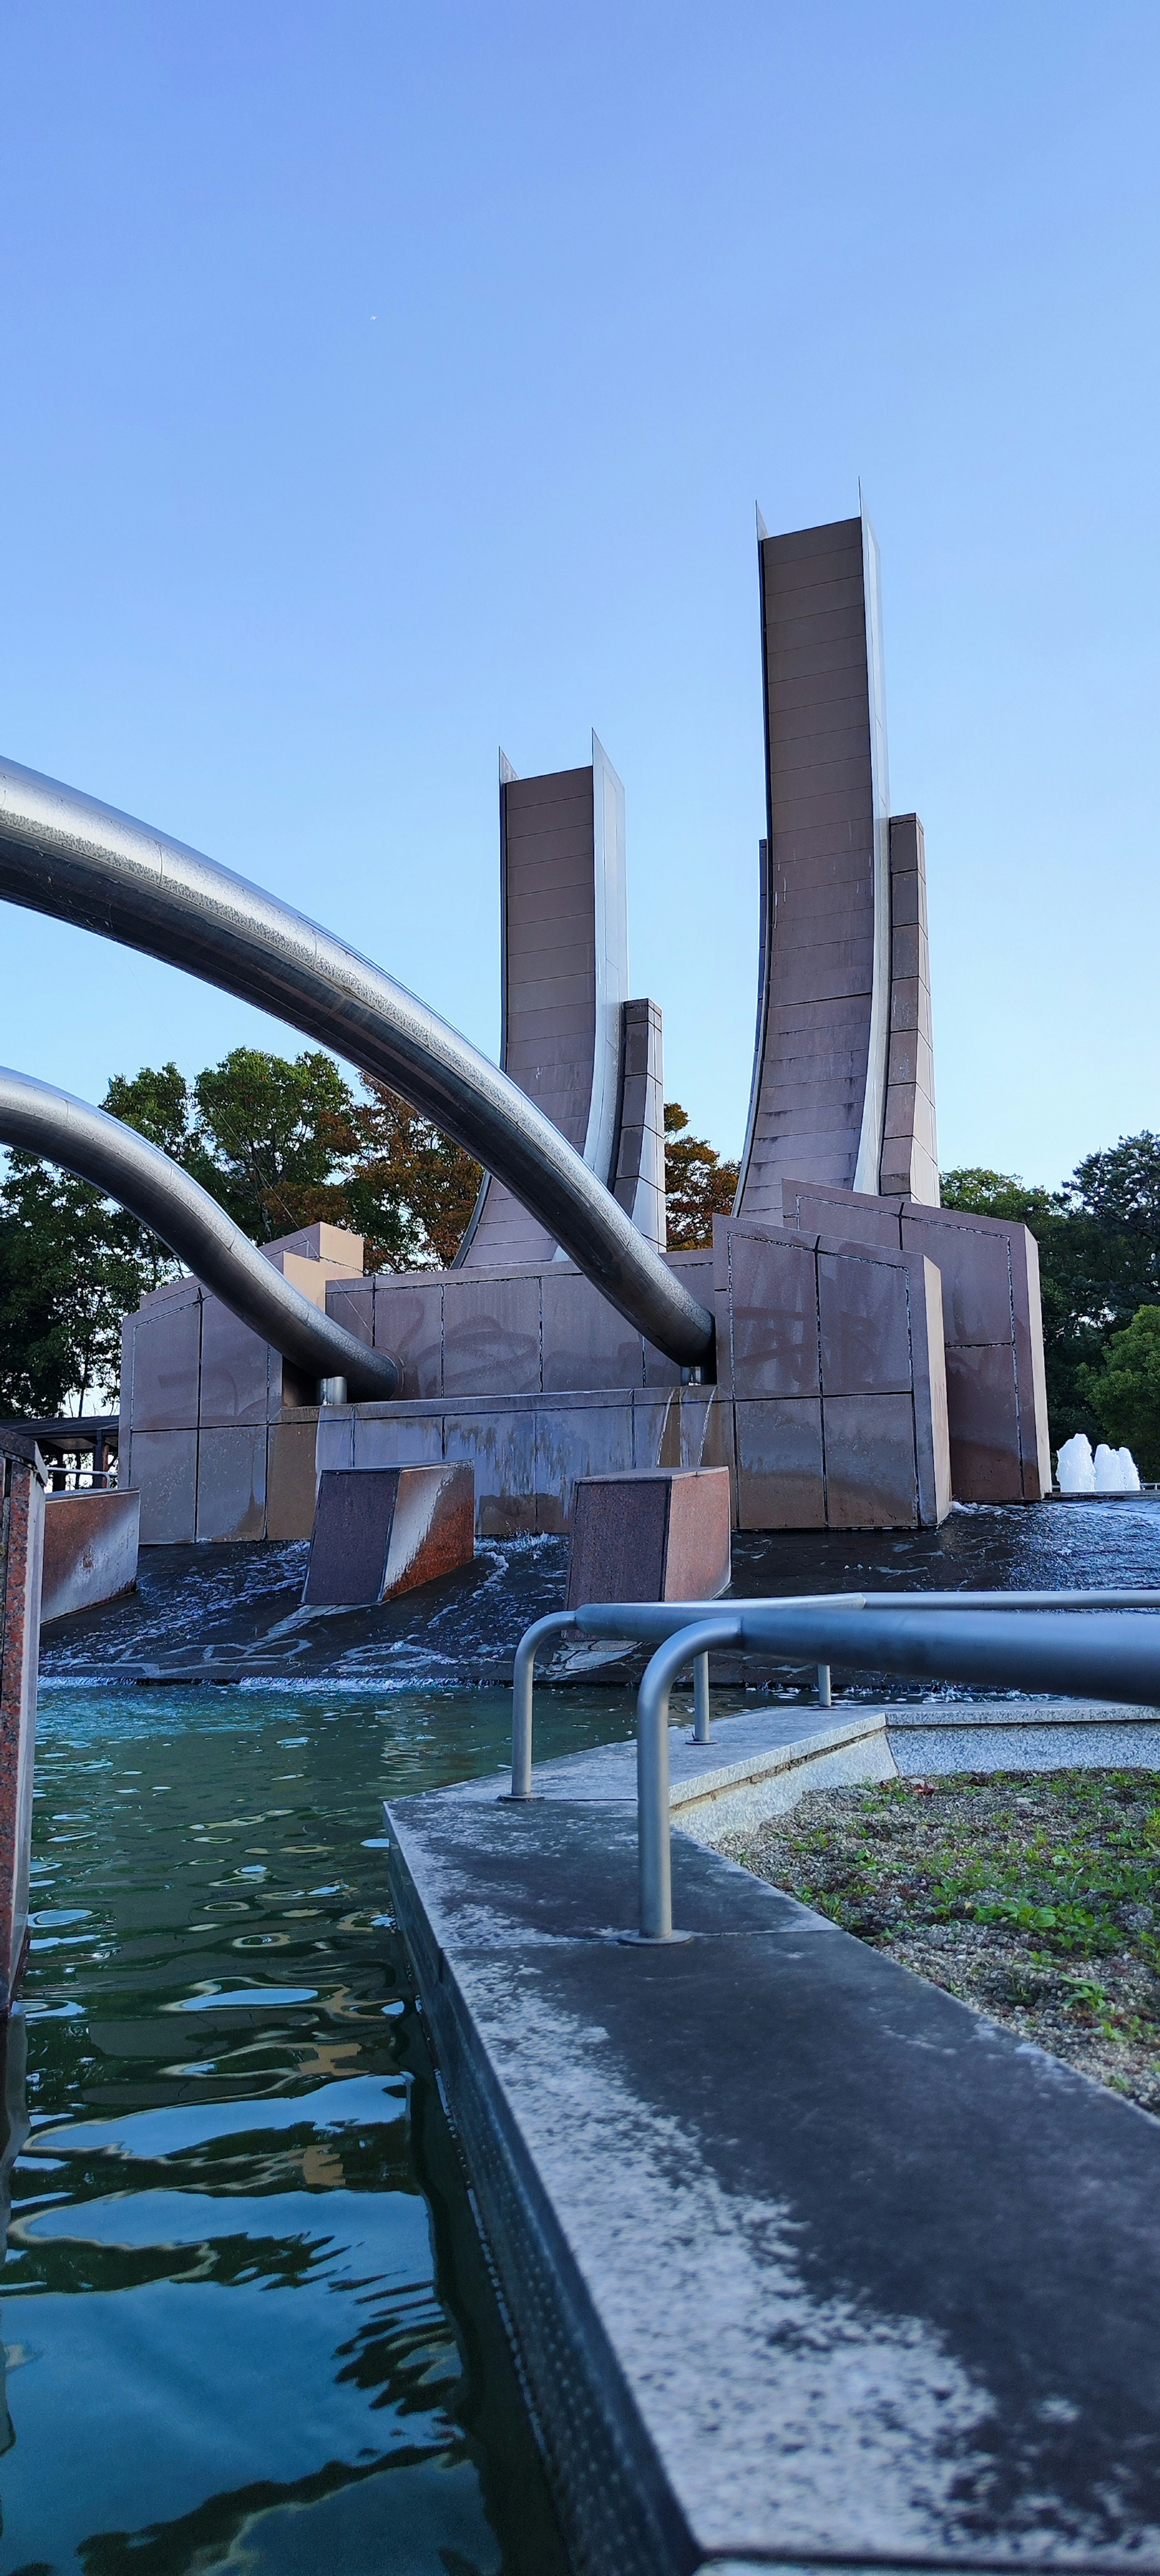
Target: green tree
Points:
(158, 1103)
(1124, 1391)
(272, 1140)
(699, 1183)
(1099, 1260)
(70, 1267)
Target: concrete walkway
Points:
(805, 2262)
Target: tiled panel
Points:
(290, 1479)
(165, 1474)
(352, 1304)
(501, 1446)
(772, 1340)
(870, 1463)
(865, 1319)
(982, 1400)
(976, 1274)
(585, 1342)
(409, 1324)
(334, 1438)
(399, 1439)
(656, 1431)
(234, 1368)
(491, 1334)
(842, 1213)
(578, 1440)
(166, 1364)
(231, 1483)
(779, 1464)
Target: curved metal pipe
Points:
(64, 854)
(100, 1149)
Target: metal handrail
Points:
(1113, 1653)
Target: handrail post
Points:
(523, 1681)
(701, 1733)
(653, 1829)
(824, 1700)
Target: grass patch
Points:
(1033, 1895)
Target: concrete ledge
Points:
(805, 2261)
(1022, 1735)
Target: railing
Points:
(980, 1637)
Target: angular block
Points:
(379, 1531)
(90, 1550)
(651, 1535)
(780, 1479)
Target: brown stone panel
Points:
(290, 1476)
(397, 1435)
(780, 1481)
(983, 1403)
(766, 1297)
(409, 1324)
(698, 1563)
(351, 1303)
(491, 1333)
(585, 1342)
(871, 1469)
(231, 1482)
(167, 1361)
(90, 1550)
(865, 1325)
(499, 1442)
(165, 1471)
(235, 1368)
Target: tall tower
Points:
(843, 1081)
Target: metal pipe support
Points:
(653, 1824)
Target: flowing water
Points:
(246, 2321)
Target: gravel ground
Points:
(1032, 1895)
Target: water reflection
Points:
(247, 2323)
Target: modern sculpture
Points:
(850, 1351)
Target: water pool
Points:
(246, 2320)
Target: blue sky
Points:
(385, 384)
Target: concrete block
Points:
(90, 1550)
(379, 1531)
(650, 1536)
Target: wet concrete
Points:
(806, 2261)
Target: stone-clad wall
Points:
(996, 1385)
(830, 1362)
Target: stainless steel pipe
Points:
(42, 1120)
(653, 1825)
(64, 854)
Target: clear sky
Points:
(383, 384)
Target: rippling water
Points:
(245, 2316)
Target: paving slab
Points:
(805, 2261)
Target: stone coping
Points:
(806, 2262)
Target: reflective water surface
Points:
(246, 2322)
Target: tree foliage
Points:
(1099, 1262)
(699, 1183)
(1124, 1391)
